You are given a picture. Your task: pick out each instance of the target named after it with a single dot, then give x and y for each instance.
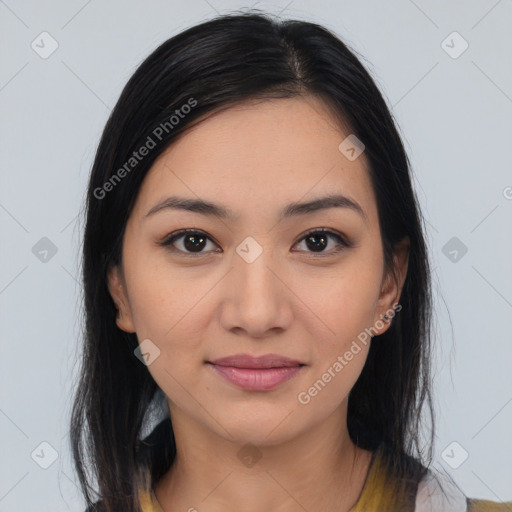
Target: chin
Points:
(270, 431)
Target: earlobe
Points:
(117, 289)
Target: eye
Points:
(318, 239)
(193, 241)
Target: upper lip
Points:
(248, 361)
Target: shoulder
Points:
(488, 506)
(439, 493)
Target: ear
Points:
(117, 289)
(391, 289)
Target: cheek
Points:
(333, 376)
(339, 354)
(164, 300)
(172, 309)
(172, 315)
(341, 305)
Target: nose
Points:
(256, 297)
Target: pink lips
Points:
(256, 373)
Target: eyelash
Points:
(343, 243)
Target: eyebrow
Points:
(208, 208)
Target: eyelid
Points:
(343, 241)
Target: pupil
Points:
(190, 245)
(321, 245)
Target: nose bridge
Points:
(256, 299)
(253, 262)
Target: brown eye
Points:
(191, 241)
(317, 240)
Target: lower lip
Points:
(253, 379)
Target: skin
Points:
(256, 158)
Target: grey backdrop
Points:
(63, 67)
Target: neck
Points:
(318, 470)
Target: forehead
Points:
(257, 156)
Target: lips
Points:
(261, 362)
(263, 373)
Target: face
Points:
(260, 280)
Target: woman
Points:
(255, 272)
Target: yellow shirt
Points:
(378, 495)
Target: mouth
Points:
(256, 373)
